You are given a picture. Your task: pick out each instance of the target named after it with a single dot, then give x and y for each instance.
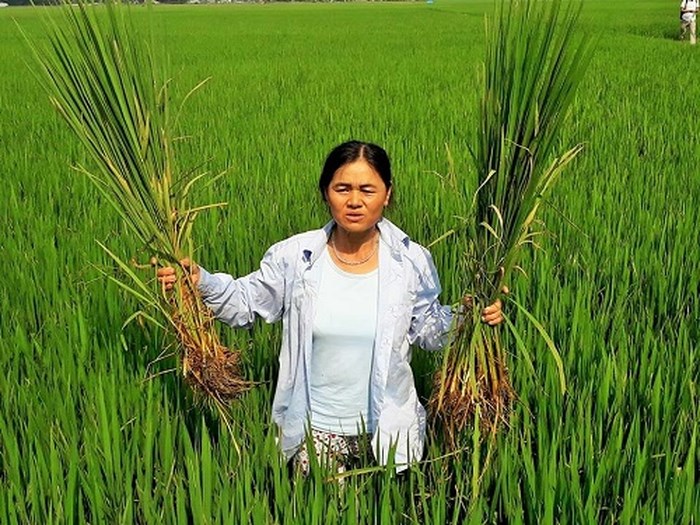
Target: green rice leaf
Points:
(548, 340)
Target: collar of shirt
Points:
(389, 234)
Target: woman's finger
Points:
(487, 316)
(494, 307)
(167, 278)
(165, 270)
(494, 321)
(493, 317)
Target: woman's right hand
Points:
(168, 277)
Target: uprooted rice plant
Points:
(93, 428)
(107, 83)
(535, 60)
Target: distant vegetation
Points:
(53, 2)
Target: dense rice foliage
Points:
(85, 435)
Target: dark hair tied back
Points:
(351, 151)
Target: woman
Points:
(353, 297)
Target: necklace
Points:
(353, 263)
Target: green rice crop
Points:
(92, 430)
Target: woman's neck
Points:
(353, 252)
(354, 242)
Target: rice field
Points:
(95, 427)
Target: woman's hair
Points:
(351, 151)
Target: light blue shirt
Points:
(343, 343)
(285, 288)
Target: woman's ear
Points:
(388, 198)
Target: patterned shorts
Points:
(333, 451)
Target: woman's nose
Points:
(355, 199)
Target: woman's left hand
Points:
(492, 315)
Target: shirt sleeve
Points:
(237, 302)
(431, 321)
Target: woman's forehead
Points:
(357, 172)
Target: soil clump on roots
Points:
(212, 370)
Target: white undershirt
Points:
(343, 342)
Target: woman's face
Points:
(357, 196)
